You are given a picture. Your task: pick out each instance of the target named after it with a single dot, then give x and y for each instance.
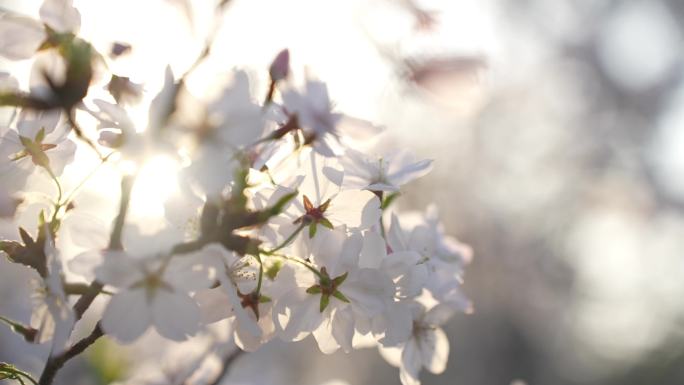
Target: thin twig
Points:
(115, 243)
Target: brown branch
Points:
(55, 363)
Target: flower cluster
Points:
(281, 221)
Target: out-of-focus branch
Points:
(115, 243)
(228, 361)
(55, 363)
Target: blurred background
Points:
(557, 129)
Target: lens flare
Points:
(156, 181)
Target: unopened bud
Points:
(280, 67)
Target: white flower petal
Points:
(296, 314)
(343, 328)
(240, 313)
(214, 305)
(397, 324)
(410, 172)
(391, 354)
(127, 316)
(245, 339)
(411, 362)
(118, 269)
(409, 276)
(438, 315)
(356, 209)
(60, 15)
(374, 251)
(176, 316)
(434, 350)
(358, 129)
(87, 231)
(368, 290)
(21, 37)
(323, 334)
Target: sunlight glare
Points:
(156, 182)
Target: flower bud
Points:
(280, 67)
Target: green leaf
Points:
(273, 270)
(326, 223)
(325, 300)
(264, 299)
(280, 204)
(36, 152)
(40, 136)
(324, 206)
(26, 142)
(316, 289)
(338, 280)
(41, 219)
(338, 294)
(312, 229)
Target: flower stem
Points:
(261, 273)
(85, 180)
(286, 241)
(299, 261)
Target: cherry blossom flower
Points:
(444, 256)
(328, 304)
(23, 36)
(321, 126)
(232, 299)
(151, 294)
(274, 228)
(428, 347)
(409, 275)
(381, 173)
(322, 202)
(38, 141)
(232, 122)
(118, 131)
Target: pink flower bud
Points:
(280, 67)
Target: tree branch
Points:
(55, 363)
